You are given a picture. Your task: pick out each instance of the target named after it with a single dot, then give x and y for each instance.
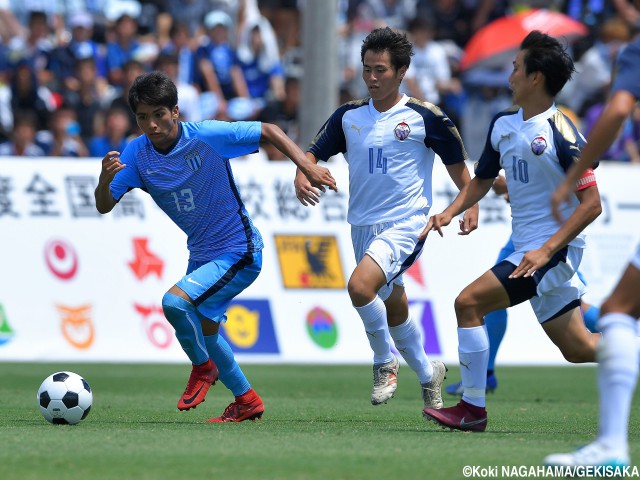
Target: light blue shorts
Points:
(212, 285)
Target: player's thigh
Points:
(368, 272)
(484, 295)
(568, 332)
(212, 285)
(625, 298)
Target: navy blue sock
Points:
(496, 323)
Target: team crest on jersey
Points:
(538, 145)
(402, 131)
(193, 161)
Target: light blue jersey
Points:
(193, 184)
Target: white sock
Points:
(408, 341)
(374, 317)
(473, 351)
(617, 377)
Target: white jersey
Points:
(535, 154)
(390, 156)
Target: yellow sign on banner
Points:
(310, 261)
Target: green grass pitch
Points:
(318, 424)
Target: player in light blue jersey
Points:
(185, 168)
(535, 144)
(618, 349)
(390, 141)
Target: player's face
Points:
(159, 124)
(382, 79)
(519, 82)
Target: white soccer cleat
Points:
(432, 391)
(594, 455)
(385, 381)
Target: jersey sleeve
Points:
(230, 139)
(627, 70)
(489, 164)
(128, 178)
(569, 142)
(330, 139)
(442, 136)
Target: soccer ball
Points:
(65, 398)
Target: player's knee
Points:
(464, 304)
(579, 354)
(172, 305)
(359, 292)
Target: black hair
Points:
(546, 55)
(153, 88)
(400, 49)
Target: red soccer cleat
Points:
(201, 378)
(462, 416)
(247, 406)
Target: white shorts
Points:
(392, 245)
(558, 284)
(635, 260)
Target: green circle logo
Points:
(322, 328)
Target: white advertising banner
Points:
(79, 286)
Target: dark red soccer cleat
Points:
(247, 406)
(201, 378)
(462, 416)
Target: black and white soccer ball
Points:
(65, 398)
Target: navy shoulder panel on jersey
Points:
(568, 141)
(488, 165)
(441, 135)
(330, 139)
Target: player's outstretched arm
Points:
(110, 166)
(318, 176)
(602, 135)
(586, 212)
(470, 195)
(306, 193)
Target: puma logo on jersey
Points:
(355, 128)
(505, 137)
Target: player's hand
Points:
(306, 193)
(559, 197)
(320, 176)
(436, 222)
(110, 166)
(469, 221)
(532, 261)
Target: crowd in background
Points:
(66, 65)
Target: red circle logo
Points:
(61, 258)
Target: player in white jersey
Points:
(618, 350)
(535, 144)
(389, 141)
(184, 167)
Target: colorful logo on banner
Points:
(422, 314)
(309, 261)
(76, 325)
(249, 327)
(145, 262)
(61, 259)
(6, 333)
(158, 330)
(322, 328)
